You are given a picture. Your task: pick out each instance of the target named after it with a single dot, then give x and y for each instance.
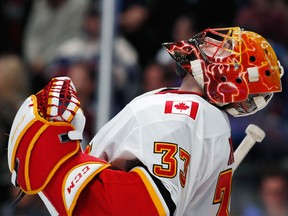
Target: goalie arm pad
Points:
(62, 192)
(110, 192)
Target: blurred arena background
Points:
(44, 38)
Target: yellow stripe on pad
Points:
(152, 190)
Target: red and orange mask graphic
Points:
(234, 63)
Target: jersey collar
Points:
(177, 91)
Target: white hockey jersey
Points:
(182, 140)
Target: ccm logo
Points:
(78, 177)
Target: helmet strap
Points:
(197, 72)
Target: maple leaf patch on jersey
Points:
(189, 108)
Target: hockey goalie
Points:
(168, 152)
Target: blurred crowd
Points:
(40, 39)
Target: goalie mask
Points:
(238, 70)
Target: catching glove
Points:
(44, 145)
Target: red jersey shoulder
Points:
(182, 107)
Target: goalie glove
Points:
(44, 137)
